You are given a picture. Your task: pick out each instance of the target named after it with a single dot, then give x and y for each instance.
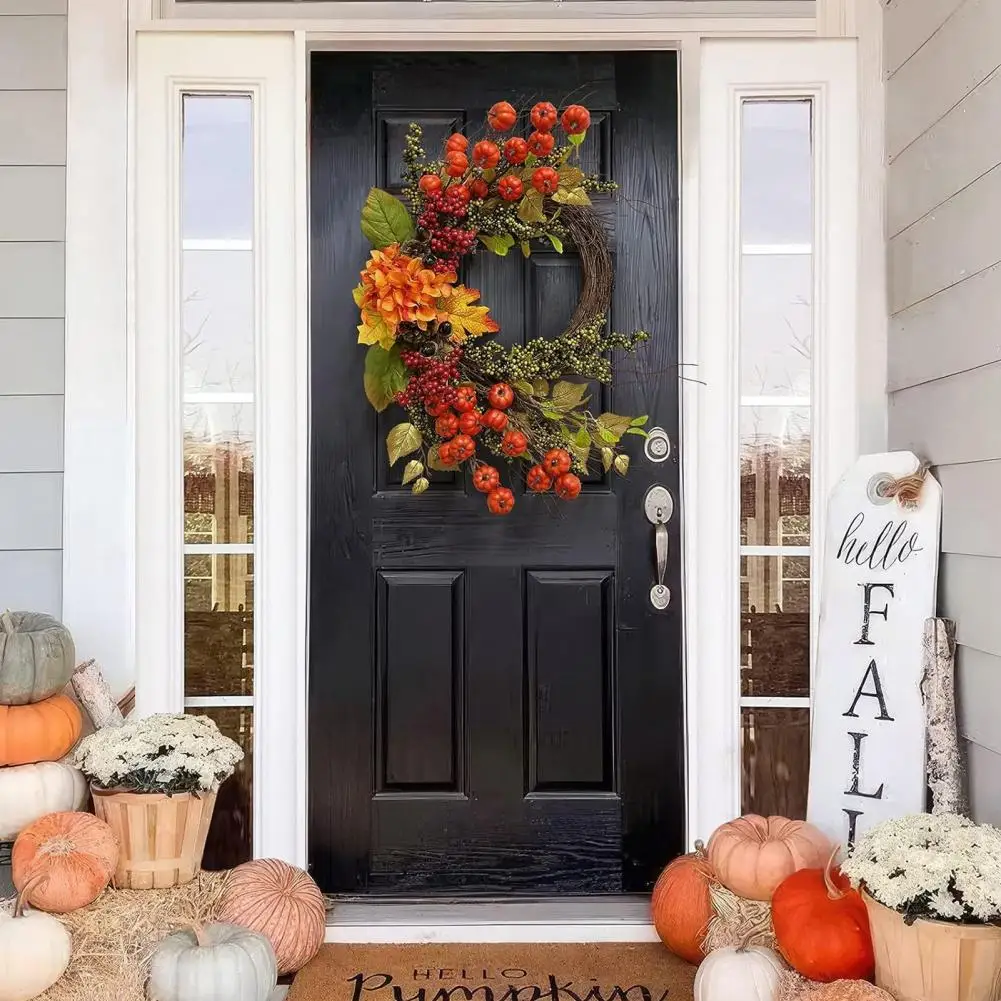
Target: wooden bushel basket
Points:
(934, 960)
(162, 837)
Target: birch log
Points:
(95, 696)
(943, 755)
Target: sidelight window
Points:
(219, 441)
(775, 338)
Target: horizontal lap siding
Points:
(32, 297)
(943, 64)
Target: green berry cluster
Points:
(583, 353)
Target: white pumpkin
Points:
(216, 962)
(751, 974)
(35, 950)
(28, 792)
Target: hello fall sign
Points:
(867, 753)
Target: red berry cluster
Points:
(433, 381)
(443, 210)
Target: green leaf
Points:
(530, 207)
(384, 220)
(401, 441)
(639, 431)
(578, 137)
(434, 461)
(489, 174)
(531, 160)
(606, 436)
(498, 245)
(524, 387)
(638, 422)
(580, 445)
(385, 375)
(420, 485)
(622, 464)
(567, 395)
(607, 457)
(553, 415)
(571, 196)
(556, 242)
(615, 424)
(541, 387)
(412, 470)
(571, 177)
(526, 248)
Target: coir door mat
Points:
(576, 972)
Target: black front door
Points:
(494, 706)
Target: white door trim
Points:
(100, 584)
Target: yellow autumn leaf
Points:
(374, 330)
(467, 320)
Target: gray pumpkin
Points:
(216, 962)
(36, 657)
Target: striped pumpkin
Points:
(282, 903)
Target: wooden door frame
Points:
(100, 558)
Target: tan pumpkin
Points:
(752, 855)
(43, 731)
(680, 904)
(282, 903)
(64, 860)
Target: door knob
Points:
(658, 505)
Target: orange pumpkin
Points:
(42, 731)
(64, 860)
(752, 855)
(680, 904)
(821, 925)
(280, 902)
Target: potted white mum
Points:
(932, 887)
(154, 780)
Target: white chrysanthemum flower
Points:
(942, 867)
(162, 753)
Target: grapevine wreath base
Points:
(526, 405)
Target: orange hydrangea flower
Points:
(397, 289)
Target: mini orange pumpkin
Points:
(280, 902)
(752, 855)
(680, 904)
(821, 925)
(42, 731)
(64, 860)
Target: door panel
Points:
(494, 704)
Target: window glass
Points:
(218, 320)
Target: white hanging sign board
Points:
(867, 750)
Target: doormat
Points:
(604, 971)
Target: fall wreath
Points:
(526, 404)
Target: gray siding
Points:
(943, 94)
(32, 295)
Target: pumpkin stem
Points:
(200, 937)
(832, 891)
(22, 895)
(7, 622)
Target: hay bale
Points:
(114, 937)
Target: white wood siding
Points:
(943, 65)
(32, 296)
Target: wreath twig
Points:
(527, 404)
